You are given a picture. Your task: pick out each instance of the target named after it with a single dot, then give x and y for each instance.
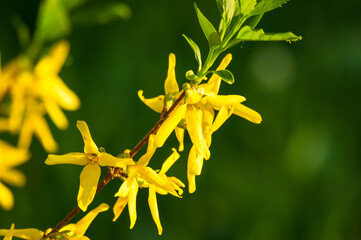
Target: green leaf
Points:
(229, 8)
(226, 75)
(196, 50)
(267, 5)
(53, 20)
(70, 4)
(209, 31)
(247, 6)
(102, 14)
(253, 20)
(248, 34)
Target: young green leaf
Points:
(196, 50)
(53, 21)
(247, 6)
(70, 4)
(209, 31)
(226, 75)
(22, 30)
(266, 6)
(248, 34)
(191, 76)
(253, 21)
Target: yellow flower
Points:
(9, 158)
(91, 158)
(143, 176)
(71, 231)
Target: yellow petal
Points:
(55, 113)
(26, 134)
(157, 103)
(89, 145)
(170, 84)
(247, 113)
(14, 177)
(195, 162)
(179, 132)
(105, 159)
(70, 158)
(119, 206)
(219, 101)
(152, 201)
(53, 62)
(28, 233)
(6, 198)
(151, 176)
(124, 188)
(14, 156)
(215, 81)
(194, 126)
(208, 116)
(176, 181)
(89, 179)
(43, 133)
(82, 225)
(144, 160)
(66, 98)
(169, 124)
(192, 97)
(224, 113)
(170, 161)
(191, 183)
(132, 203)
(9, 234)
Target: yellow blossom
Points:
(142, 176)
(71, 231)
(9, 158)
(92, 158)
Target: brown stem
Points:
(119, 171)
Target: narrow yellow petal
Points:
(176, 181)
(207, 121)
(42, 131)
(89, 179)
(170, 161)
(119, 206)
(170, 84)
(192, 97)
(66, 98)
(144, 160)
(6, 198)
(53, 62)
(124, 189)
(13, 177)
(219, 101)
(169, 125)
(247, 113)
(224, 113)
(132, 203)
(195, 162)
(105, 159)
(14, 156)
(55, 113)
(151, 176)
(194, 126)
(26, 134)
(191, 183)
(9, 234)
(28, 233)
(89, 145)
(179, 132)
(69, 158)
(215, 81)
(152, 201)
(82, 225)
(156, 104)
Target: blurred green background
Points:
(295, 176)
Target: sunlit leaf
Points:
(248, 34)
(226, 75)
(196, 50)
(208, 29)
(267, 5)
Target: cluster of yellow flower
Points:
(26, 94)
(195, 113)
